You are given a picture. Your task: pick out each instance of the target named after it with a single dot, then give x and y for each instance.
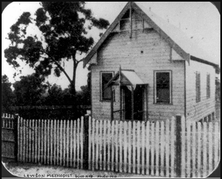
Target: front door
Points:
(137, 103)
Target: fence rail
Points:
(173, 147)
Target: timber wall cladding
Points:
(194, 110)
(145, 52)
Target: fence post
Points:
(16, 137)
(86, 142)
(178, 144)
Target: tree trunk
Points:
(73, 90)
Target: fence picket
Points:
(26, 141)
(90, 142)
(29, 140)
(147, 147)
(188, 150)
(39, 140)
(130, 147)
(78, 144)
(134, 146)
(68, 136)
(125, 146)
(210, 144)
(162, 143)
(194, 149)
(109, 145)
(47, 141)
(33, 140)
(117, 146)
(64, 143)
(97, 145)
(113, 149)
(104, 144)
(51, 140)
(60, 142)
(100, 144)
(183, 139)
(167, 138)
(22, 140)
(143, 147)
(152, 148)
(217, 130)
(74, 143)
(120, 146)
(205, 149)
(172, 146)
(157, 148)
(71, 143)
(138, 146)
(216, 144)
(57, 141)
(93, 143)
(54, 132)
(81, 144)
(199, 149)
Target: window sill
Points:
(105, 100)
(163, 103)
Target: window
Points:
(106, 92)
(197, 87)
(208, 85)
(163, 87)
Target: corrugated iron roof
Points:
(129, 77)
(133, 78)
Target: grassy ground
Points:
(34, 170)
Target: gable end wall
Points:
(145, 52)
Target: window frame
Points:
(208, 86)
(170, 85)
(198, 90)
(101, 87)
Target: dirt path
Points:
(41, 171)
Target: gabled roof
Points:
(174, 36)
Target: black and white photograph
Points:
(111, 89)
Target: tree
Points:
(7, 95)
(55, 96)
(64, 27)
(29, 90)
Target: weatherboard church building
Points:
(144, 68)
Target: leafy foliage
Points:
(63, 36)
(7, 95)
(29, 90)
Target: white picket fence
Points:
(200, 148)
(52, 142)
(140, 147)
(149, 147)
(7, 121)
(133, 147)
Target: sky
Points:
(201, 21)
